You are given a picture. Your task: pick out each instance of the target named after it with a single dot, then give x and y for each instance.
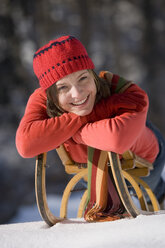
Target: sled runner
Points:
(126, 173)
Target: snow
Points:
(140, 232)
(143, 231)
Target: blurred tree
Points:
(153, 56)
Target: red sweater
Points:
(37, 133)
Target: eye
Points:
(83, 78)
(62, 88)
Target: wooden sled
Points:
(126, 172)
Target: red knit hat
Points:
(59, 58)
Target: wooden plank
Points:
(64, 156)
(127, 164)
(139, 172)
(127, 155)
(138, 161)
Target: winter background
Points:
(126, 37)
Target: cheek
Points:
(93, 89)
(62, 100)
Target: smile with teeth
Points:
(80, 102)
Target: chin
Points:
(84, 113)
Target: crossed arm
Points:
(117, 133)
(121, 115)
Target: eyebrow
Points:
(60, 84)
(63, 83)
(81, 74)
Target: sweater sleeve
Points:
(115, 134)
(37, 133)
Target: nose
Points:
(76, 91)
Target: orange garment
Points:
(37, 133)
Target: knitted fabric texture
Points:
(60, 58)
(103, 203)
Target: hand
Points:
(99, 112)
(126, 101)
(133, 99)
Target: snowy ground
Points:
(31, 231)
(143, 231)
(27, 230)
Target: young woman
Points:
(76, 107)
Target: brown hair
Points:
(53, 108)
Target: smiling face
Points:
(77, 92)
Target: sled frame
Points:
(130, 169)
